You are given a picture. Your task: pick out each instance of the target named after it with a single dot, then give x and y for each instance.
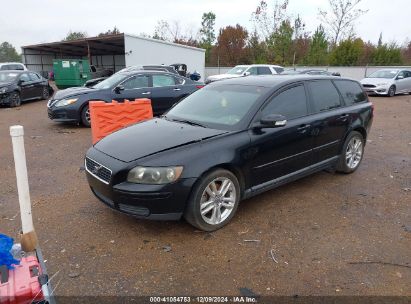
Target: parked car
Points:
(388, 82)
(16, 66)
(19, 86)
(245, 70)
(164, 89)
(310, 72)
(230, 141)
(153, 67)
(97, 72)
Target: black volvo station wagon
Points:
(227, 142)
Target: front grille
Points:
(368, 86)
(98, 170)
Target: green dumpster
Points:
(71, 72)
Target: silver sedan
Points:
(388, 82)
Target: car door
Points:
(134, 87)
(330, 119)
(407, 82)
(37, 83)
(26, 87)
(165, 92)
(284, 150)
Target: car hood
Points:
(5, 84)
(376, 81)
(151, 137)
(73, 92)
(223, 76)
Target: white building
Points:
(114, 52)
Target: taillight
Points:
(199, 86)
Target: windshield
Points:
(111, 81)
(8, 76)
(388, 74)
(220, 107)
(238, 70)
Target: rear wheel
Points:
(391, 91)
(85, 116)
(15, 100)
(352, 153)
(214, 200)
(46, 93)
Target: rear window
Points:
(350, 91)
(324, 95)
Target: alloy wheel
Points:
(218, 200)
(88, 115)
(46, 93)
(354, 152)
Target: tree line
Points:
(276, 37)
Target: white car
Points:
(245, 70)
(8, 66)
(388, 82)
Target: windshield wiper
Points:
(186, 121)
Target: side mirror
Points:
(400, 77)
(246, 73)
(118, 89)
(273, 121)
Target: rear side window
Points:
(278, 70)
(291, 103)
(263, 71)
(324, 95)
(350, 91)
(163, 81)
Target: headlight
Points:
(3, 90)
(153, 175)
(65, 102)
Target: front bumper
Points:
(378, 90)
(154, 202)
(63, 114)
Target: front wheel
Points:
(391, 91)
(352, 153)
(46, 93)
(15, 99)
(85, 116)
(214, 200)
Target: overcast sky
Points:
(31, 22)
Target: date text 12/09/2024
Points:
(199, 299)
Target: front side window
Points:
(291, 103)
(350, 91)
(136, 82)
(324, 95)
(34, 77)
(163, 81)
(252, 71)
(25, 78)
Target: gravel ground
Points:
(323, 230)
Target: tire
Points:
(15, 100)
(46, 93)
(217, 210)
(391, 91)
(352, 153)
(85, 116)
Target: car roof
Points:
(132, 72)
(271, 81)
(3, 63)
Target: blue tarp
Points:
(6, 258)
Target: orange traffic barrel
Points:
(107, 118)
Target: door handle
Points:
(146, 93)
(302, 129)
(177, 89)
(343, 117)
